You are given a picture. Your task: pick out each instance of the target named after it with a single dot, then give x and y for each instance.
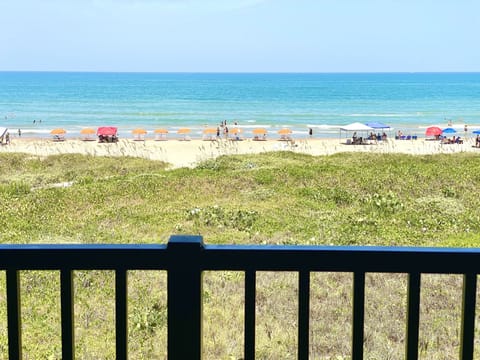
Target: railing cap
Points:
(183, 241)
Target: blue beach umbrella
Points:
(476, 132)
(449, 130)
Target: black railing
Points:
(186, 257)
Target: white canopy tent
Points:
(356, 127)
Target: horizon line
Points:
(237, 72)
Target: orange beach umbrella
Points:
(235, 131)
(183, 131)
(139, 131)
(285, 131)
(87, 131)
(160, 131)
(259, 131)
(58, 131)
(208, 131)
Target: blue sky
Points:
(240, 35)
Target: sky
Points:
(240, 35)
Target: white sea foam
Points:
(379, 115)
(35, 131)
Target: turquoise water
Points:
(37, 102)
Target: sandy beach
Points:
(180, 153)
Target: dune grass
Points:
(272, 198)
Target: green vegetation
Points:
(273, 198)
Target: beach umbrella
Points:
(433, 131)
(160, 131)
(285, 131)
(58, 131)
(139, 134)
(87, 131)
(107, 134)
(107, 131)
(210, 131)
(139, 131)
(58, 134)
(476, 132)
(259, 131)
(449, 130)
(235, 132)
(259, 134)
(160, 134)
(184, 132)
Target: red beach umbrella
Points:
(107, 131)
(433, 131)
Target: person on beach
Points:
(19, 133)
(225, 131)
(7, 138)
(310, 132)
(218, 132)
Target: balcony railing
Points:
(186, 257)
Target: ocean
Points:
(37, 102)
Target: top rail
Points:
(227, 257)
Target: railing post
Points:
(358, 315)
(14, 315)
(185, 298)
(67, 314)
(467, 338)
(413, 315)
